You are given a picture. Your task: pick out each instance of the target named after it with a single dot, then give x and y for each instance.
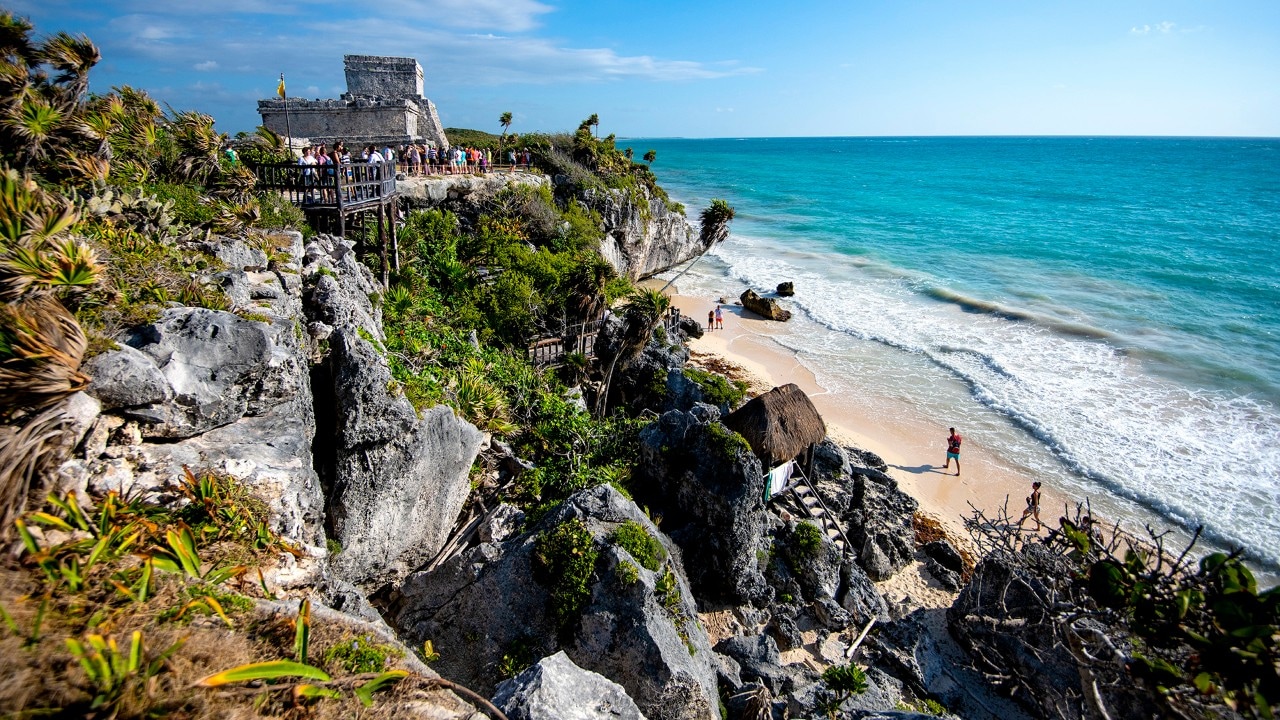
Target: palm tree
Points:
(594, 122)
(505, 121)
(640, 317)
(631, 154)
(715, 222)
(715, 228)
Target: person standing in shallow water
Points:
(1033, 506)
(953, 451)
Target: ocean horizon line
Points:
(951, 137)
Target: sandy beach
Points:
(914, 450)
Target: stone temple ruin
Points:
(383, 105)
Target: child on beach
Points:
(953, 451)
(719, 319)
(1033, 506)
(711, 319)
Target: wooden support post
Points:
(382, 246)
(394, 211)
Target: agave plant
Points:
(35, 255)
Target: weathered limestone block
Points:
(485, 601)
(556, 689)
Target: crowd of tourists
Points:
(418, 159)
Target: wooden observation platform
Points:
(342, 198)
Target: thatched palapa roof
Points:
(779, 425)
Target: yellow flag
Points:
(280, 88)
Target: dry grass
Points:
(44, 610)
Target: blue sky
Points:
(720, 69)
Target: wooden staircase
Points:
(808, 501)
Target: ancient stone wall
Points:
(378, 76)
(383, 105)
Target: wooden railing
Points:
(342, 187)
(549, 350)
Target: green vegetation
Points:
(843, 682)
(645, 548)
(808, 540)
(726, 441)
(360, 655)
(717, 389)
(628, 574)
(564, 559)
(519, 656)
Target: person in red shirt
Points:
(953, 450)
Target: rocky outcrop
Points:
(786, 289)
(709, 487)
(878, 523)
(556, 689)
(434, 190)
(397, 481)
(767, 308)
(638, 627)
(217, 391)
(642, 236)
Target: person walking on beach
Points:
(719, 319)
(953, 451)
(1033, 506)
(711, 319)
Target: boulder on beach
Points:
(767, 308)
(786, 289)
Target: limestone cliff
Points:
(640, 235)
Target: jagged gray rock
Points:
(786, 289)
(125, 377)
(557, 689)
(946, 554)
(860, 596)
(757, 659)
(399, 482)
(767, 308)
(642, 238)
(483, 600)
(878, 523)
(215, 364)
(709, 487)
(816, 569)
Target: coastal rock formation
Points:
(211, 390)
(637, 628)
(878, 522)
(767, 308)
(642, 236)
(429, 191)
(709, 487)
(556, 689)
(786, 289)
(397, 481)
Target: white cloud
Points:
(1166, 26)
(206, 66)
(724, 110)
(1140, 29)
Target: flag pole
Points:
(287, 129)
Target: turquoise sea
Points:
(1109, 308)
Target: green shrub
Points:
(717, 389)
(632, 537)
(808, 540)
(277, 213)
(361, 655)
(628, 574)
(189, 206)
(728, 442)
(564, 559)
